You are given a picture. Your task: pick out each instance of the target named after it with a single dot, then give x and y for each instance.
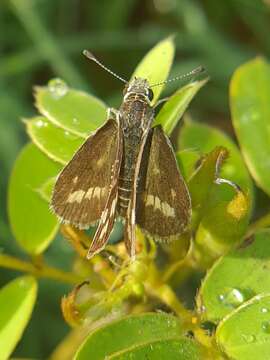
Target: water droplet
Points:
(75, 121)
(266, 327)
(264, 310)
(232, 297)
(41, 123)
(203, 309)
(58, 88)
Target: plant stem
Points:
(11, 262)
(168, 297)
(154, 287)
(259, 224)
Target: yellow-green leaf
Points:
(58, 144)
(174, 108)
(17, 300)
(33, 224)
(156, 65)
(72, 110)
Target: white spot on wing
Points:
(76, 196)
(157, 204)
(173, 193)
(167, 210)
(89, 193)
(97, 192)
(149, 200)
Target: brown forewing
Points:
(163, 205)
(82, 188)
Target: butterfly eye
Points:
(150, 94)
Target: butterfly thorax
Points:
(136, 116)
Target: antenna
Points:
(196, 71)
(90, 56)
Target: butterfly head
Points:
(138, 86)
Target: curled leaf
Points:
(222, 226)
(204, 138)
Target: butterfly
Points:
(127, 169)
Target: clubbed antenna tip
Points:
(198, 70)
(90, 56)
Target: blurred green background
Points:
(41, 39)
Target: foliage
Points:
(110, 295)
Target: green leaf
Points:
(235, 278)
(186, 160)
(33, 225)
(205, 138)
(129, 332)
(45, 189)
(58, 144)
(17, 300)
(72, 110)
(156, 64)
(245, 333)
(249, 98)
(174, 108)
(181, 349)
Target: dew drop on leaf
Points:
(58, 88)
(232, 297)
(264, 310)
(41, 123)
(266, 327)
